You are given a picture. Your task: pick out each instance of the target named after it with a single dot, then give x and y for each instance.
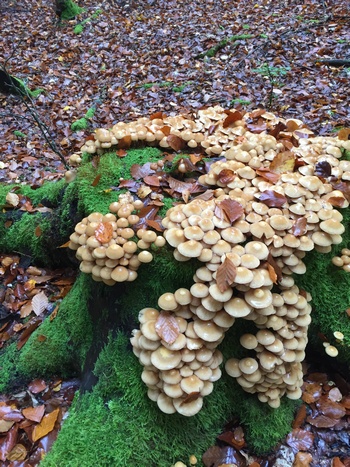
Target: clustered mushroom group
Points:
(342, 261)
(265, 207)
(106, 246)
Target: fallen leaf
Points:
(232, 116)
(225, 275)
(344, 134)
(266, 173)
(34, 414)
(12, 199)
(104, 232)
(96, 180)
(216, 456)
(299, 227)
(37, 385)
(302, 459)
(283, 162)
(18, 453)
(140, 171)
(336, 462)
(191, 397)
(323, 169)
(272, 199)
(233, 209)
(39, 303)
(321, 421)
(152, 180)
(5, 425)
(167, 327)
(300, 417)
(226, 176)
(272, 273)
(46, 425)
(277, 270)
(143, 191)
(175, 142)
(38, 231)
(8, 442)
(300, 440)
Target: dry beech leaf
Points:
(175, 142)
(344, 187)
(278, 271)
(17, 453)
(12, 199)
(46, 425)
(300, 440)
(143, 191)
(125, 142)
(323, 169)
(191, 397)
(272, 273)
(152, 180)
(344, 134)
(37, 385)
(5, 425)
(272, 199)
(283, 162)
(167, 327)
(299, 227)
(96, 180)
(311, 392)
(266, 173)
(300, 417)
(226, 176)
(231, 118)
(225, 275)
(35, 414)
(38, 231)
(227, 455)
(233, 209)
(104, 232)
(302, 459)
(321, 421)
(336, 201)
(26, 310)
(39, 303)
(336, 462)
(194, 158)
(329, 408)
(178, 185)
(140, 171)
(166, 130)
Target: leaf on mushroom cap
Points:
(267, 174)
(323, 169)
(344, 187)
(231, 118)
(175, 142)
(344, 134)
(283, 162)
(272, 198)
(278, 271)
(233, 209)
(167, 327)
(226, 176)
(104, 232)
(192, 396)
(299, 227)
(140, 171)
(225, 275)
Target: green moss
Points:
(49, 192)
(68, 336)
(8, 363)
(71, 10)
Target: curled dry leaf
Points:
(233, 209)
(272, 273)
(167, 327)
(140, 171)
(12, 199)
(104, 232)
(225, 275)
(323, 169)
(152, 180)
(39, 303)
(226, 176)
(344, 134)
(299, 227)
(17, 453)
(283, 162)
(300, 440)
(191, 397)
(231, 118)
(321, 421)
(46, 425)
(300, 417)
(272, 199)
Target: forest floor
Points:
(131, 59)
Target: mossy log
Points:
(112, 421)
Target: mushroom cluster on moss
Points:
(106, 244)
(342, 261)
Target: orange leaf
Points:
(232, 209)
(175, 142)
(300, 417)
(336, 462)
(26, 310)
(302, 459)
(226, 176)
(336, 201)
(344, 134)
(265, 173)
(97, 179)
(272, 273)
(167, 327)
(121, 153)
(194, 158)
(300, 440)
(38, 231)
(225, 275)
(192, 396)
(152, 180)
(125, 142)
(46, 425)
(65, 245)
(104, 232)
(37, 385)
(231, 118)
(35, 414)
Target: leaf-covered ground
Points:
(128, 59)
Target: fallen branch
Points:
(334, 62)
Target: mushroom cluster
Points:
(342, 261)
(178, 351)
(106, 244)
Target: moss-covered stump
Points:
(113, 422)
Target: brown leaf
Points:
(167, 327)
(34, 414)
(283, 162)
(266, 173)
(152, 180)
(344, 134)
(46, 425)
(311, 392)
(192, 396)
(18, 453)
(121, 153)
(157, 115)
(178, 185)
(155, 224)
(216, 456)
(344, 187)
(232, 116)
(225, 275)
(8, 442)
(39, 303)
(299, 227)
(140, 171)
(336, 462)
(143, 191)
(26, 334)
(336, 201)
(300, 440)
(278, 271)
(302, 459)
(329, 408)
(226, 176)
(194, 158)
(232, 209)
(96, 180)
(166, 130)
(300, 417)
(272, 273)
(125, 142)
(272, 198)
(323, 169)
(321, 421)
(6, 425)
(104, 232)
(37, 385)
(38, 231)
(175, 142)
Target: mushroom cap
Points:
(265, 337)
(232, 367)
(147, 314)
(165, 403)
(237, 307)
(165, 359)
(183, 296)
(120, 274)
(331, 351)
(257, 249)
(191, 384)
(248, 365)
(173, 390)
(332, 227)
(167, 301)
(171, 376)
(267, 360)
(174, 236)
(188, 409)
(103, 135)
(248, 341)
(215, 292)
(190, 249)
(207, 330)
(258, 298)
